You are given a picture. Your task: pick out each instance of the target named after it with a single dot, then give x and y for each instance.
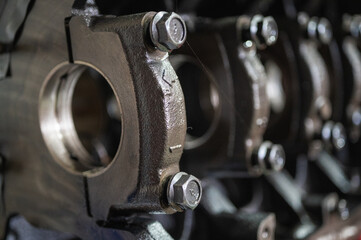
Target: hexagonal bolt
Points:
(270, 156)
(352, 25)
(316, 28)
(334, 134)
(261, 30)
(184, 191)
(324, 31)
(264, 31)
(167, 31)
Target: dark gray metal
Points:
(291, 193)
(11, 18)
(353, 110)
(320, 107)
(331, 168)
(153, 123)
(184, 191)
(231, 223)
(167, 31)
(148, 229)
(352, 25)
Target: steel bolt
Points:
(184, 191)
(335, 134)
(167, 31)
(317, 28)
(354, 27)
(263, 31)
(270, 156)
(324, 31)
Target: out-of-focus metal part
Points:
(248, 58)
(167, 31)
(334, 135)
(270, 156)
(283, 90)
(353, 109)
(147, 229)
(215, 202)
(349, 229)
(329, 165)
(263, 31)
(319, 28)
(326, 209)
(243, 82)
(260, 226)
(275, 91)
(184, 191)
(283, 183)
(22, 229)
(228, 222)
(351, 25)
(254, 69)
(209, 95)
(12, 16)
(324, 30)
(343, 209)
(320, 108)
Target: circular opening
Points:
(80, 118)
(201, 98)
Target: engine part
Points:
(180, 119)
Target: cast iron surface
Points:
(154, 123)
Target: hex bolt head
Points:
(277, 157)
(263, 31)
(316, 28)
(184, 191)
(334, 134)
(167, 31)
(355, 26)
(324, 31)
(270, 156)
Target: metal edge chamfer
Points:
(167, 31)
(184, 191)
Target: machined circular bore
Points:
(80, 118)
(202, 100)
